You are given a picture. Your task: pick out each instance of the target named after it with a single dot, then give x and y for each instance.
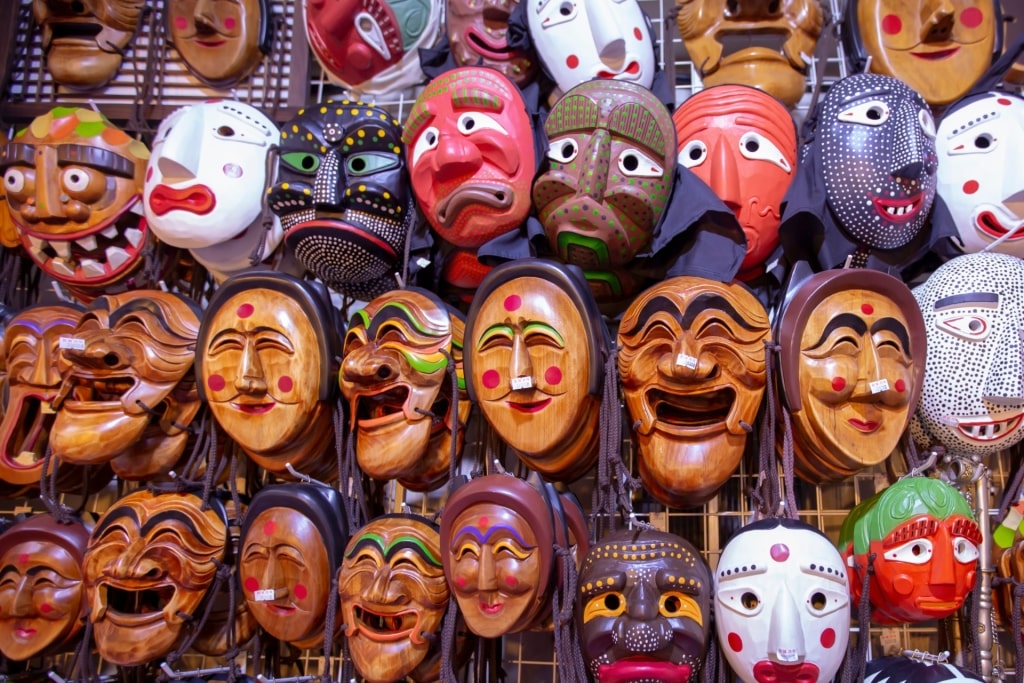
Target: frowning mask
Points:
(692, 363)
(220, 41)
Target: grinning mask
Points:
(343, 195)
(692, 364)
(220, 41)
(782, 606)
(478, 35)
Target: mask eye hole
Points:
(750, 600)
(226, 131)
(563, 151)
(818, 601)
(873, 113)
(693, 153)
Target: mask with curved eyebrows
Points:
(782, 605)
(644, 607)
(343, 195)
(128, 392)
(222, 42)
(394, 374)
(393, 597)
(150, 561)
(925, 540)
(693, 373)
(74, 182)
(31, 354)
(973, 397)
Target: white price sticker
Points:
(264, 595)
(524, 382)
(686, 361)
(879, 385)
(71, 343)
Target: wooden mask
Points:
(708, 26)
(692, 363)
(265, 366)
(220, 41)
(85, 41)
(478, 34)
(293, 540)
(8, 231)
(394, 375)
(644, 607)
(535, 353)
(42, 593)
(853, 374)
(74, 184)
(31, 354)
(128, 392)
(393, 596)
(150, 562)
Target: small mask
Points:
(782, 606)
(42, 593)
(901, 669)
(128, 392)
(591, 39)
(394, 374)
(73, 183)
(478, 35)
(535, 350)
(938, 49)
(875, 144)
(393, 597)
(853, 376)
(221, 42)
(372, 46)
(925, 541)
(471, 159)
(264, 365)
(692, 363)
(742, 143)
(644, 608)
(612, 156)
(343, 195)
(293, 538)
(973, 397)
(150, 562)
(979, 143)
(31, 354)
(206, 184)
(707, 27)
(85, 41)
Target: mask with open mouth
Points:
(31, 354)
(221, 43)
(151, 559)
(692, 363)
(973, 397)
(128, 390)
(478, 35)
(393, 596)
(74, 183)
(394, 374)
(85, 40)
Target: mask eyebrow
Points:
(613, 580)
(741, 572)
(987, 299)
(833, 574)
(842, 320)
(895, 326)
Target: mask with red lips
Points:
(478, 35)
(220, 42)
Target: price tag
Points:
(264, 595)
(524, 382)
(686, 361)
(879, 385)
(71, 343)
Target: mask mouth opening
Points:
(385, 625)
(693, 410)
(385, 404)
(769, 40)
(99, 389)
(125, 603)
(25, 445)
(72, 30)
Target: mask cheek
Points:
(831, 381)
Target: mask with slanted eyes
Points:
(973, 397)
(128, 392)
(782, 605)
(31, 354)
(644, 607)
(293, 538)
(692, 363)
(343, 195)
(220, 41)
(393, 596)
(709, 29)
(396, 359)
(42, 594)
(478, 35)
(924, 539)
(73, 182)
(85, 41)
(150, 562)
(535, 350)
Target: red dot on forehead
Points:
(270, 527)
(780, 552)
(513, 302)
(483, 522)
(867, 309)
(245, 310)
(1004, 101)
(23, 558)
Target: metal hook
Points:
(922, 656)
(928, 463)
(165, 667)
(305, 478)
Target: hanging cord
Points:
(19, 279)
(712, 672)
(571, 668)
(766, 495)
(275, 67)
(350, 479)
(974, 623)
(1018, 642)
(196, 625)
(787, 467)
(332, 617)
(152, 76)
(48, 489)
(451, 618)
(453, 454)
(83, 668)
(266, 216)
(860, 652)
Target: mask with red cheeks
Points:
(470, 168)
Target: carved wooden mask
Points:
(42, 593)
(264, 365)
(150, 561)
(478, 35)
(220, 41)
(8, 231)
(31, 354)
(394, 374)
(644, 607)
(535, 350)
(692, 363)
(293, 540)
(393, 596)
